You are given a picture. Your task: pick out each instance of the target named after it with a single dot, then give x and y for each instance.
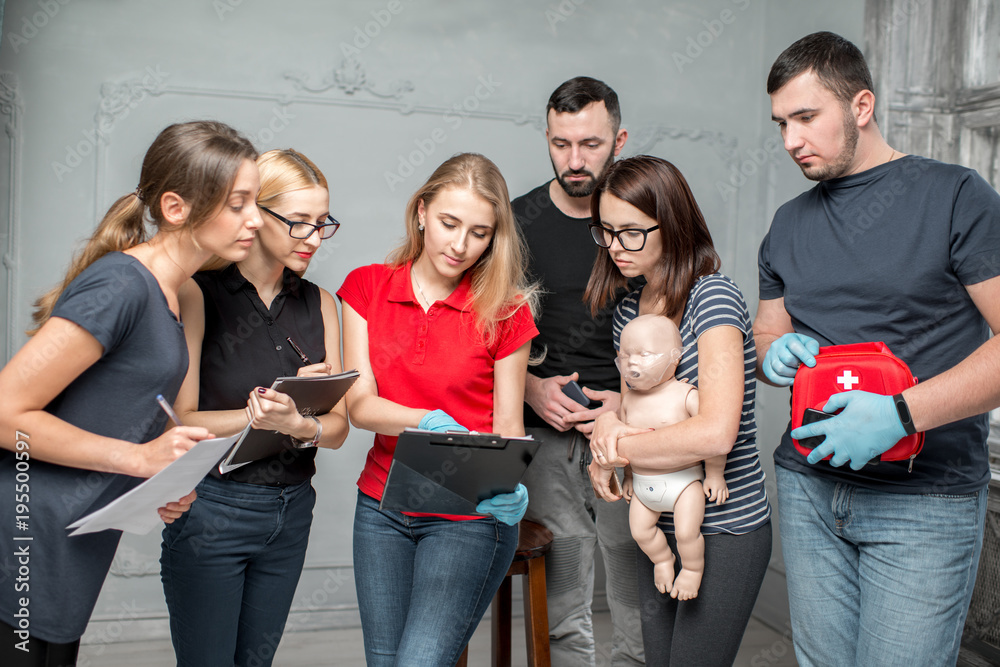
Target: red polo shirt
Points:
(430, 360)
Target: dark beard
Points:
(583, 188)
(842, 163)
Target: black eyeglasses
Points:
(632, 240)
(303, 230)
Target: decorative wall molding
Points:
(645, 138)
(12, 110)
(350, 77)
(349, 85)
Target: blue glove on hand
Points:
(440, 421)
(868, 426)
(506, 507)
(785, 356)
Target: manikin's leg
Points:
(652, 541)
(689, 511)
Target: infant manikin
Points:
(648, 356)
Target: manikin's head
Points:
(649, 351)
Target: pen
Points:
(302, 355)
(169, 410)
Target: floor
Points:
(762, 647)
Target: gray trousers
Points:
(561, 498)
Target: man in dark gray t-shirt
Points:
(880, 558)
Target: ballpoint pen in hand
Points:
(302, 355)
(168, 409)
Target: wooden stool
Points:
(533, 542)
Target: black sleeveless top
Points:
(245, 347)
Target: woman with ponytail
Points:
(79, 409)
(229, 596)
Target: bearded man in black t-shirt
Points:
(584, 136)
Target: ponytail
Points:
(197, 161)
(122, 228)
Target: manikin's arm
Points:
(600, 474)
(715, 481)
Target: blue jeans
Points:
(229, 568)
(877, 578)
(424, 582)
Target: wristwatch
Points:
(305, 444)
(903, 410)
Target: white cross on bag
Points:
(848, 380)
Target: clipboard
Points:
(313, 395)
(451, 473)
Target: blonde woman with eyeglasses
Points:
(230, 567)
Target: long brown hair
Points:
(197, 161)
(499, 284)
(658, 189)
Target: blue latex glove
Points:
(868, 426)
(440, 421)
(785, 356)
(506, 507)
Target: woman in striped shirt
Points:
(647, 218)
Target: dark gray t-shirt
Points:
(885, 255)
(118, 301)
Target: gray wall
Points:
(85, 86)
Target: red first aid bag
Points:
(870, 367)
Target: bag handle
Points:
(854, 348)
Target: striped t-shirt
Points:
(714, 301)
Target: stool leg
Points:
(500, 626)
(536, 614)
(463, 660)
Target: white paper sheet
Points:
(135, 511)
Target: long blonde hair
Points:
(198, 161)
(499, 282)
(282, 170)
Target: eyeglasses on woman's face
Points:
(303, 230)
(629, 239)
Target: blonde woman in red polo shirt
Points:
(440, 334)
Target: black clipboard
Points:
(313, 395)
(451, 473)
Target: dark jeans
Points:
(424, 582)
(708, 630)
(230, 566)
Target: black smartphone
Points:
(809, 417)
(573, 390)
